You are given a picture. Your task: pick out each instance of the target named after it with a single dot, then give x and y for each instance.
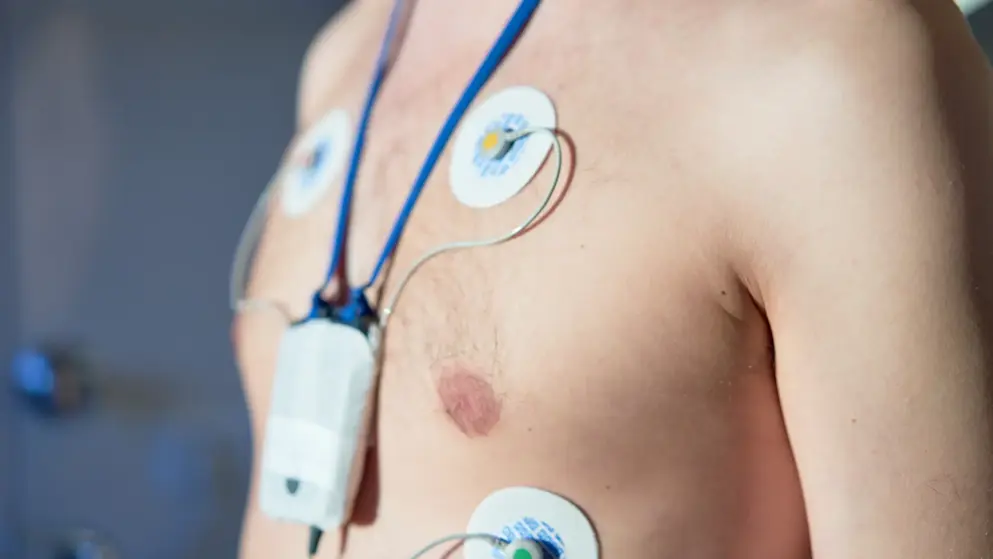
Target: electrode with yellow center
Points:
(495, 144)
(492, 158)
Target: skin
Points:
(755, 326)
(468, 399)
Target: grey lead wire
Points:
(494, 541)
(462, 245)
(248, 241)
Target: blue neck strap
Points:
(356, 305)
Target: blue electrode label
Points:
(487, 167)
(315, 161)
(532, 529)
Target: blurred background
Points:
(134, 139)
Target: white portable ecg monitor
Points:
(316, 432)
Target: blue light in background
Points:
(33, 373)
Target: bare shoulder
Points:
(331, 57)
(859, 177)
(872, 107)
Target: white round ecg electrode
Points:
(532, 514)
(483, 175)
(315, 162)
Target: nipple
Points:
(469, 401)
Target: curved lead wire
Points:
(495, 541)
(461, 245)
(247, 243)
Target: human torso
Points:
(631, 369)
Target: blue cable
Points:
(485, 71)
(379, 75)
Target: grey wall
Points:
(8, 295)
(982, 26)
(142, 133)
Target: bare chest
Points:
(605, 285)
(613, 333)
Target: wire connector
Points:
(314, 541)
